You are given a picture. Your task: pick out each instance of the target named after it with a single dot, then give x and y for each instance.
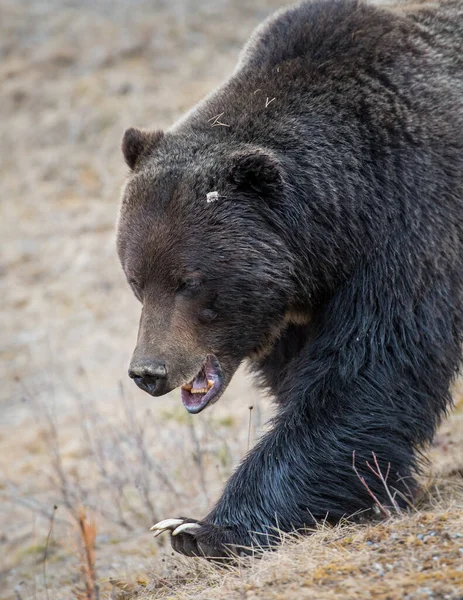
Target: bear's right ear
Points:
(136, 142)
(257, 170)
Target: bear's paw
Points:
(195, 538)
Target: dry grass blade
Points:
(86, 549)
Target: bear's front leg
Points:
(267, 494)
(276, 488)
(300, 473)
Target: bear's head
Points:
(202, 242)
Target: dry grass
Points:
(72, 77)
(417, 556)
(86, 549)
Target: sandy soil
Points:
(73, 430)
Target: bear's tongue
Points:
(200, 384)
(197, 394)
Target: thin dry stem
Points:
(383, 478)
(382, 508)
(86, 546)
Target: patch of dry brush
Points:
(408, 557)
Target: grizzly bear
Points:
(307, 217)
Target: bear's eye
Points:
(207, 315)
(189, 285)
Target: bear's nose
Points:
(150, 376)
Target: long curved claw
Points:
(186, 528)
(167, 524)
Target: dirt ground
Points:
(73, 430)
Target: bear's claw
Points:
(166, 525)
(186, 528)
(175, 526)
(193, 538)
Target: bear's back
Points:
(348, 31)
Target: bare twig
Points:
(87, 531)
(52, 441)
(45, 554)
(198, 458)
(378, 473)
(143, 478)
(383, 509)
(14, 495)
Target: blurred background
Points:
(73, 429)
(74, 432)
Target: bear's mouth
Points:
(205, 387)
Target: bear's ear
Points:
(257, 170)
(136, 142)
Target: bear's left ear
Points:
(257, 170)
(137, 142)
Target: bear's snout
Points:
(150, 375)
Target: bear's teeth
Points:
(188, 387)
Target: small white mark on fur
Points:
(212, 197)
(267, 102)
